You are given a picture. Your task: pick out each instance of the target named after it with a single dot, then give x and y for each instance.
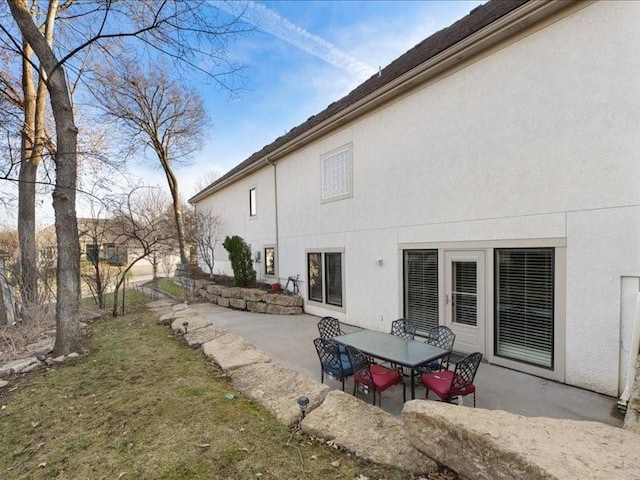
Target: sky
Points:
(301, 57)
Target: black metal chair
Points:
(373, 376)
(404, 328)
(449, 384)
(440, 336)
(329, 327)
(332, 362)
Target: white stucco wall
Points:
(536, 140)
(233, 208)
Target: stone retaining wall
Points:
(251, 299)
(476, 443)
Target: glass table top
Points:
(411, 353)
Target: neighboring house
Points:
(96, 241)
(488, 179)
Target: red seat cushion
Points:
(440, 384)
(384, 377)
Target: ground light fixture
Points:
(185, 324)
(303, 403)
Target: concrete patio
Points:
(288, 340)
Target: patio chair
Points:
(373, 376)
(332, 362)
(404, 328)
(329, 327)
(449, 384)
(439, 336)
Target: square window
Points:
(336, 174)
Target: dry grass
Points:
(141, 405)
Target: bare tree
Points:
(142, 224)
(182, 31)
(156, 113)
(208, 230)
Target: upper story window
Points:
(336, 174)
(253, 207)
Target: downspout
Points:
(275, 195)
(623, 401)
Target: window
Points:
(253, 207)
(324, 276)
(524, 319)
(270, 261)
(336, 174)
(92, 252)
(421, 288)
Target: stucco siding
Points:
(532, 143)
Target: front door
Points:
(464, 299)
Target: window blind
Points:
(421, 288)
(333, 270)
(524, 305)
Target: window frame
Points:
(496, 292)
(324, 279)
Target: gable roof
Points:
(479, 18)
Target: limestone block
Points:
(195, 321)
(284, 300)
(223, 302)
(210, 297)
(200, 283)
(366, 430)
(231, 292)
(202, 293)
(195, 338)
(277, 388)
(493, 444)
(281, 310)
(238, 303)
(214, 289)
(180, 306)
(18, 366)
(258, 307)
(253, 294)
(231, 351)
(166, 318)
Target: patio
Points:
(288, 340)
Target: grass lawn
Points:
(169, 287)
(140, 404)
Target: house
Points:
(488, 179)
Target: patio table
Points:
(401, 351)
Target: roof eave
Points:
(506, 26)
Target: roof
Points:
(476, 20)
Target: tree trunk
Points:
(177, 208)
(27, 189)
(27, 233)
(64, 194)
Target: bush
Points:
(241, 261)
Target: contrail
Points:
(271, 22)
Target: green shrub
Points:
(241, 261)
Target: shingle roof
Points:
(477, 19)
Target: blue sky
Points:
(330, 48)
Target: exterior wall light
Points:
(303, 403)
(378, 261)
